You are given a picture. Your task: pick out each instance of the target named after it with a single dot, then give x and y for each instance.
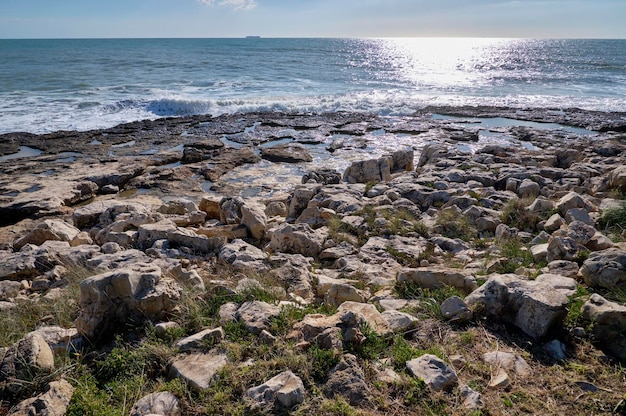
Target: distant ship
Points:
(253, 37)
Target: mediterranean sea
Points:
(82, 84)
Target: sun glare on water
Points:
(443, 62)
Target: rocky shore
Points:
(456, 261)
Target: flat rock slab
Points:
(199, 371)
(435, 372)
(286, 153)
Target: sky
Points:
(312, 18)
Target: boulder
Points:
(255, 220)
(323, 176)
(297, 239)
(533, 306)
(199, 371)
(617, 178)
(230, 210)
(52, 402)
(399, 322)
(609, 325)
(23, 361)
(138, 292)
(372, 170)
(347, 380)
(256, 315)
(528, 188)
(292, 270)
(57, 230)
(161, 403)
(435, 372)
(243, 255)
(286, 153)
(434, 277)
(455, 309)
(285, 390)
(605, 269)
(569, 201)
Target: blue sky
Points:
(312, 18)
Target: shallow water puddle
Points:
(24, 151)
(499, 122)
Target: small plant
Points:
(613, 221)
(451, 225)
(516, 214)
(514, 255)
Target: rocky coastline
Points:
(456, 261)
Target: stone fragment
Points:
(471, 398)
(286, 153)
(508, 361)
(528, 188)
(200, 340)
(399, 321)
(553, 223)
(605, 269)
(243, 255)
(435, 372)
(297, 239)
(52, 402)
(161, 403)
(609, 325)
(455, 309)
(24, 360)
(256, 315)
(199, 371)
(162, 328)
(255, 220)
(9, 289)
(347, 380)
(569, 201)
(285, 390)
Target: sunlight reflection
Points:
(445, 62)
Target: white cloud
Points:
(235, 4)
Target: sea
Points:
(82, 84)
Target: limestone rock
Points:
(297, 239)
(23, 361)
(161, 403)
(254, 219)
(256, 315)
(200, 339)
(52, 402)
(373, 170)
(199, 371)
(436, 374)
(609, 325)
(455, 310)
(286, 153)
(54, 229)
(369, 314)
(471, 398)
(532, 306)
(113, 297)
(399, 321)
(243, 255)
(605, 269)
(508, 361)
(9, 289)
(433, 277)
(347, 380)
(285, 389)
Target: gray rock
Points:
(399, 321)
(111, 298)
(436, 374)
(161, 403)
(435, 277)
(286, 153)
(297, 239)
(52, 402)
(243, 255)
(23, 361)
(255, 220)
(347, 380)
(532, 306)
(455, 310)
(508, 361)
(199, 371)
(606, 269)
(256, 315)
(471, 398)
(200, 340)
(285, 390)
(609, 325)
